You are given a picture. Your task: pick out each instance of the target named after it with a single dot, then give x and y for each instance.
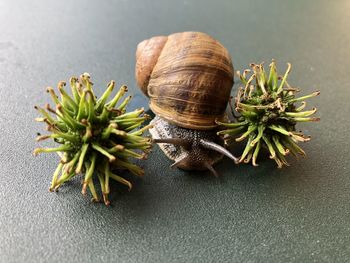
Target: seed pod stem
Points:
(232, 124)
(73, 84)
(118, 132)
(88, 134)
(279, 146)
(251, 129)
(90, 169)
(69, 166)
(107, 131)
(64, 177)
(55, 176)
(256, 152)
(247, 148)
(300, 108)
(293, 146)
(232, 131)
(84, 149)
(67, 101)
(117, 97)
(85, 80)
(132, 114)
(124, 103)
(82, 107)
(279, 129)
(103, 189)
(142, 130)
(304, 97)
(45, 114)
(90, 107)
(305, 119)
(102, 100)
(67, 118)
(66, 136)
(103, 151)
(133, 126)
(93, 191)
(141, 146)
(261, 129)
(301, 113)
(272, 80)
(107, 176)
(280, 88)
(53, 95)
(49, 150)
(128, 153)
(120, 180)
(131, 167)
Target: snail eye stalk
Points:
(176, 141)
(218, 148)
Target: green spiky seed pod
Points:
(94, 136)
(268, 113)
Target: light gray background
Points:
(298, 214)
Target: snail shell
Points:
(187, 76)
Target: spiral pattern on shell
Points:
(187, 76)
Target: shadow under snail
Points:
(188, 78)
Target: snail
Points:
(188, 78)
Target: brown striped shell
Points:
(187, 76)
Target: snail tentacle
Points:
(216, 147)
(176, 141)
(179, 160)
(211, 169)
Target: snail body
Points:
(188, 78)
(189, 149)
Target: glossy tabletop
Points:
(297, 214)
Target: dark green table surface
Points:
(297, 214)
